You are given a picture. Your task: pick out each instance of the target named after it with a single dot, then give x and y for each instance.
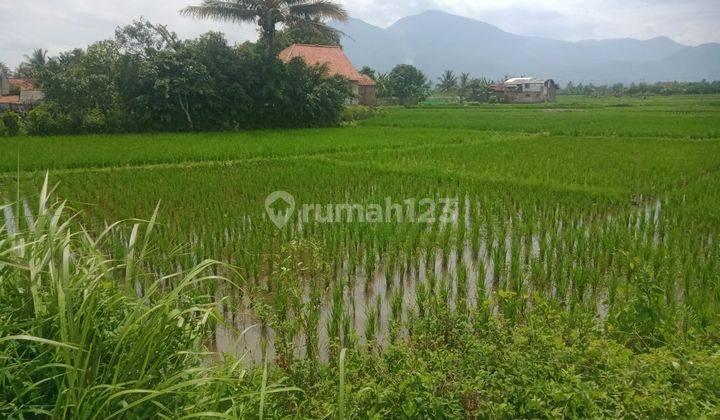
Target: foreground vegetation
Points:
(581, 277)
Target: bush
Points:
(409, 84)
(94, 121)
(3, 130)
(12, 122)
(356, 113)
(40, 121)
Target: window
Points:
(527, 85)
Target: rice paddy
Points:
(607, 210)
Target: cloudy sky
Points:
(58, 25)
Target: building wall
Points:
(524, 97)
(535, 93)
(4, 85)
(31, 96)
(367, 95)
(354, 93)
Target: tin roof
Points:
(522, 80)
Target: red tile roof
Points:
(24, 84)
(333, 56)
(12, 99)
(366, 80)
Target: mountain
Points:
(435, 41)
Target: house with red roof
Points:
(337, 63)
(19, 94)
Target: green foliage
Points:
(619, 90)
(407, 83)
(448, 81)
(94, 121)
(357, 113)
(12, 122)
(464, 85)
(306, 20)
(544, 366)
(369, 72)
(41, 121)
(580, 280)
(78, 341)
(149, 80)
(313, 33)
(81, 81)
(382, 84)
(480, 90)
(33, 65)
(3, 130)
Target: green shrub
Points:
(94, 121)
(356, 113)
(12, 122)
(40, 121)
(3, 130)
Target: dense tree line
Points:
(404, 82)
(465, 87)
(147, 79)
(674, 88)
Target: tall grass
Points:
(77, 341)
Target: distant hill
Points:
(435, 41)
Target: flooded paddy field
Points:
(480, 214)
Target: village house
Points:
(526, 90)
(362, 86)
(18, 94)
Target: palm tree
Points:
(33, 64)
(308, 14)
(38, 58)
(464, 85)
(382, 83)
(481, 89)
(447, 81)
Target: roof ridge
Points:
(316, 45)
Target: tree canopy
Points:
(448, 81)
(408, 83)
(147, 79)
(306, 16)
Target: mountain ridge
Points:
(435, 41)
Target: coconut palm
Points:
(38, 58)
(382, 83)
(464, 85)
(308, 14)
(33, 63)
(448, 81)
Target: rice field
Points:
(603, 209)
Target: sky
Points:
(60, 25)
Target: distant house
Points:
(362, 86)
(526, 90)
(19, 94)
